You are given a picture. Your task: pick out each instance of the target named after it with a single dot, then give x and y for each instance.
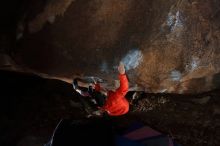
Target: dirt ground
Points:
(189, 119)
(31, 107)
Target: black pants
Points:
(99, 97)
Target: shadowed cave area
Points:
(31, 107)
(171, 53)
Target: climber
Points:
(113, 103)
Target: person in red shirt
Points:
(115, 103)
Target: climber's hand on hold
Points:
(121, 68)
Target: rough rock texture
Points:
(167, 45)
(51, 10)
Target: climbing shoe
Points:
(90, 90)
(75, 84)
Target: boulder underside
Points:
(167, 45)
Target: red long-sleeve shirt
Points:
(116, 104)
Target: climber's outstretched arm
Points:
(123, 89)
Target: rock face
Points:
(167, 45)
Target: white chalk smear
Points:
(170, 19)
(174, 20)
(178, 22)
(132, 59)
(194, 63)
(175, 75)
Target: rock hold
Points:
(202, 100)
